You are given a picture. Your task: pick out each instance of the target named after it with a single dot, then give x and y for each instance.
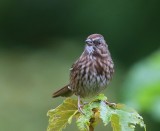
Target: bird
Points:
(91, 73)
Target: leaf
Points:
(83, 121)
(100, 97)
(115, 122)
(105, 113)
(122, 118)
(63, 114)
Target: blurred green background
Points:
(40, 39)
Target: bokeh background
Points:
(40, 39)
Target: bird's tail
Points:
(64, 92)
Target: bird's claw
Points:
(110, 104)
(80, 109)
(80, 106)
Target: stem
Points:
(91, 128)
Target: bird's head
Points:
(95, 42)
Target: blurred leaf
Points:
(142, 85)
(121, 117)
(62, 115)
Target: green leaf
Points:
(122, 120)
(63, 114)
(121, 117)
(101, 97)
(83, 121)
(105, 113)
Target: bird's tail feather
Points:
(64, 92)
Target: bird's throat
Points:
(90, 49)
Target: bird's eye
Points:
(97, 42)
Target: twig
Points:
(91, 128)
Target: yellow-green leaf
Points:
(63, 114)
(115, 122)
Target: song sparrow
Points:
(92, 72)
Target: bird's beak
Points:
(88, 42)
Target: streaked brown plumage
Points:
(92, 72)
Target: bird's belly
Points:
(92, 85)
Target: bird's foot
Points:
(80, 106)
(110, 104)
(80, 109)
